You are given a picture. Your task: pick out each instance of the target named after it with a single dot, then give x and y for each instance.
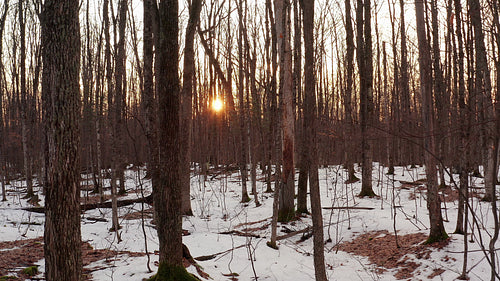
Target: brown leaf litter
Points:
(17, 255)
(380, 249)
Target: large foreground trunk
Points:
(61, 96)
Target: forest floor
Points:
(228, 238)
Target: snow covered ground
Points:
(215, 202)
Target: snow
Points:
(215, 203)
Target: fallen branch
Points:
(213, 256)
(250, 223)
(240, 233)
(414, 183)
(348, 208)
(288, 235)
(107, 204)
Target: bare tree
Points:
(405, 103)
(187, 104)
(482, 88)
(119, 100)
(441, 100)
(482, 91)
(242, 110)
(168, 191)
(437, 232)
(148, 95)
(25, 104)
(297, 87)
(311, 132)
(3, 169)
(111, 116)
(349, 64)
(365, 66)
(286, 201)
(463, 120)
(61, 94)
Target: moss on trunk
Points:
(172, 273)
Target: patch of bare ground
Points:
(148, 214)
(94, 199)
(17, 255)
(436, 272)
(446, 194)
(380, 249)
(450, 194)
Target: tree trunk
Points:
(254, 113)
(349, 151)
(25, 105)
(482, 88)
(365, 65)
(437, 232)
(119, 100)
(297, 73)
(187, 105)
(111, 116)
(496, 19)
(61, 92)
(242, 112)
(439, 92)
(273, 108)
(3, 169)
(287, 194)
(406, 117)
(310, 121)
(168, 191)
(149, 106)
(463, 135)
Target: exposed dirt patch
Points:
(17, 255)
(446, 194)
(148, 214)
(436, 272)
(94, 199)
(451, 194)
(381, 249)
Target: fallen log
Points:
(103, 205)
(348, 208)
(240, 233)
(288, 235)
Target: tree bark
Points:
(365, 65)
(168, 191)
(437, 232)
(297, 73)
(310, 120)
(463, 135)
(482, 89)
(148, 96)
(25, 104)
(439, 92)
(406, 117)
(286, 203)
(3, 169)
(60, 87)
(349, 151)
(187, 104)
(242, 112)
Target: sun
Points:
(217, 105)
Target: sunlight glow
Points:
(217, 105)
